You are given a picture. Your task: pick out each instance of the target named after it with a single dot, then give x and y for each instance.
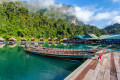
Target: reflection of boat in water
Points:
(12, 45)
(69, 65)
(2, 45)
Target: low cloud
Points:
(115, 19)
(90, 16)
(81, 13)
(41, 3)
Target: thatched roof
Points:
(64, 38)
(55, 38)
(41, 39)
(49, 38)
(1, 39)
(23, 38)
(32, 38)
(12, 38)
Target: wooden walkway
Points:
(108, 68)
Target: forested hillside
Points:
(16, 21)
(113, 29)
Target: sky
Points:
(107, 7)
(99, 13)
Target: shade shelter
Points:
(32, 39)
(56, 39)
(1, 39)
(90, 38)
(12, 40)
(49, 40)
(23, 40)
(41, 39)
(110, 39)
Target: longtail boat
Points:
(73, 54)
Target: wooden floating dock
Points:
(108, 68)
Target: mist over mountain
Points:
(59, 12)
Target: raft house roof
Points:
(90, 36)
(41, 38)
(49, 38)
(32, 38)
(12, 38)
(23, 38)
(1, 39)
(78, 36)
(112, 36)
(55, 38)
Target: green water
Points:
(73, 46)
(16, 64)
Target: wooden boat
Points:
(73, 54)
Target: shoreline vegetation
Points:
(16, 21)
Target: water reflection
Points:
(58, 62)
(2, 45)
(11, 45)
(16, 64)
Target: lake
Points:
(16, 64)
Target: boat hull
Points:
(62, 56)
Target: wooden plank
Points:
(107, 75)
(100, 73)
(118, 76)
(108, 62)
(76, 72)
(98, 67)
(95, 73)
(84, 72)
(117, 64)
(113, 73)
(89, 74)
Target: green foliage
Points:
(16, 21)
(113, 29)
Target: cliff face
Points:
(55, 12)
